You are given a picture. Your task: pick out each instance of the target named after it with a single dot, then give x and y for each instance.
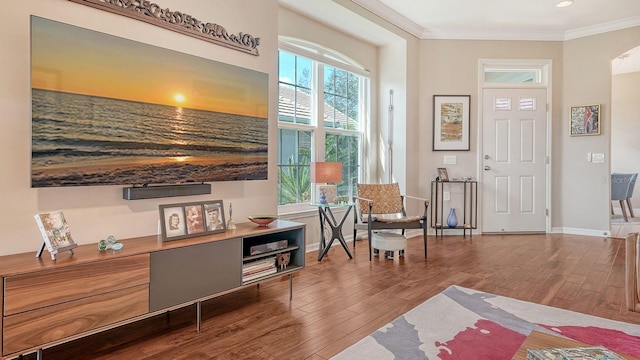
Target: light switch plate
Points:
(446, 196)
(449, 159)
(597, 158)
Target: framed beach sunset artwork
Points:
(111, 111)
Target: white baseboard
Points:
(578, 231)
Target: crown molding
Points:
(392, 16)
(602, 28)
(395, 18)
(483, 34)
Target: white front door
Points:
(513, 160)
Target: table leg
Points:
(336, 231)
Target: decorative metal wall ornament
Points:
(152, 13)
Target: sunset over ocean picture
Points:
(108, 110)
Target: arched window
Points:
(323, 100)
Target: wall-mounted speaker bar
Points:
(160, 191)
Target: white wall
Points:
(625, 127)
(95, 212)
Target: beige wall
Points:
(414, 69)
(450, 67)
(95, 212)
(625, 127)
(582, 199)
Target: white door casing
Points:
(513, 160)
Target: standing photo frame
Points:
(185, 220)
(443, 175)
(451, 123)
(585, 120)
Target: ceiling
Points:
(480, 19)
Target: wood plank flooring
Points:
(338, 301)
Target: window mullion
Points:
(318, 111)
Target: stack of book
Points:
(578, 353)
(255, 269)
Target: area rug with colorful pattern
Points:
(461, 323)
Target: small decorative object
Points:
(55, 232)
(282, 260)
(451, 127)
(231, 224)
(466, 178)
(109, 244)
(263, 220)
(323, 197)
(180, 221)
(452, 220)
(443, 175)
(272, 246)
(585, 120)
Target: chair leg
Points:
(624, 211)
(630, 207)
(424, 236)
(354, 237)
(612, 213)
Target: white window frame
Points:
(322, 56)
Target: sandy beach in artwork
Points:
(170, 170)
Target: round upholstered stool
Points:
(388, 242)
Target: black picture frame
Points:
(451, 122)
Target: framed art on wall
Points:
(451, 127)
(585, 120)
(185, 220)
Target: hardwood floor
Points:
(338, 301)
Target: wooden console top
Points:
(27, 262)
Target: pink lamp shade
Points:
(326, 172)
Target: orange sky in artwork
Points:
(71, 59)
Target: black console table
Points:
(469, 218)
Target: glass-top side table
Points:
(326, 217)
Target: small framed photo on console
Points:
(443, 175)
(185, 220)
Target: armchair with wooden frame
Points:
(380, 207)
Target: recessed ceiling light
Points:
(564, 3)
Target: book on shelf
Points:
(55, 232)
(580, 352)
(271, 260)
(259, 274)
(258, 266)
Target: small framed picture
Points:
(194, 219)
(181, 221)
(214, 216)
(585, 120)
(442, 174)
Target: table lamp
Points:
(326, 172)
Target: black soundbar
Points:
(161, 191)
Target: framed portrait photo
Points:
(585, 120)
(451, 127)
(185, 220)
(214, 217)
(443, 175)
